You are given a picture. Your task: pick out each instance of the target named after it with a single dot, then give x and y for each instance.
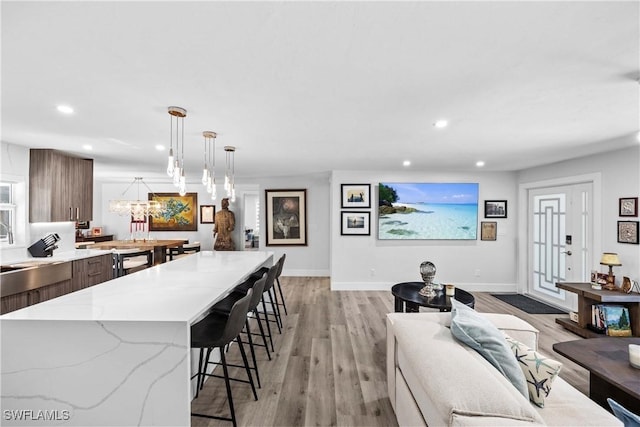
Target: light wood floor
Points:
(329, 366)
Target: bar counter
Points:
(116, 353)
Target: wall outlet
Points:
(476, 273)
(372, 272)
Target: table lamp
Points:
(610, 259)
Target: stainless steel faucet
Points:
(9, 232)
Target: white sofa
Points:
(435, 380)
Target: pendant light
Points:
(175, 164)
(208, 173)
(229, 174)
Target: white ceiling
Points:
(309, 87)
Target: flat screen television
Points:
(427, 211)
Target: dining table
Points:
(158, 246)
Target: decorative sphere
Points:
(427, 271)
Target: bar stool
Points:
(274, 316)
(280, 266)
(217, 331)
(224, 307)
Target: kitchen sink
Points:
(5, 268)
(25, 276)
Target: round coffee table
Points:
(407, 298)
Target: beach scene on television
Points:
(428, 211)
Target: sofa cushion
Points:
(539, 371)
(451, 378)
(481, 335)
(568, 407)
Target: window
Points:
(7, 213)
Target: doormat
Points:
(528, 305)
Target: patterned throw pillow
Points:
(539, 371)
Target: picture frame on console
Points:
(628, 232)
(356, 195)
(286, 217)
(628, 206)
(354, 223)
(495, 208)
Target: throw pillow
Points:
(481, 335)
(539, 371)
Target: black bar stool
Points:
(280, 266)
(217, 331)
(275, 316)
(224, 307)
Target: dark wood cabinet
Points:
(90, 238)
(60, 187)
(91, 271)
(34, 296)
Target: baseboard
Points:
(306, 273)
(386, 286)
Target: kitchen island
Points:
(117, 353)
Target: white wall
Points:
(364, 262)
(620, 177)
(313, 259)
(350, 259)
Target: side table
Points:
(408, 299)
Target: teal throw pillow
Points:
(481, 335)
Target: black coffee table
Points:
(407, 298)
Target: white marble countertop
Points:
(63, 256)
(180, 290)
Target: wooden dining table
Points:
(159, 247)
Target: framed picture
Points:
(628, 206)
(356, 195)
(96, 231)
(355, 223)
(628, 232)
(495, 208)
(207, 214)
(181, 213)
(286, 217)
(488, 230)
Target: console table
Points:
(587, 297)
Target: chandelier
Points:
(175, 164)
(208, 172)
(138, 210)
(229, 173)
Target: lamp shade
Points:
(610, 258)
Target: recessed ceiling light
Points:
(479, 163)
(160, 147)
(64, 109)
(638, 136)
(441, 124)
(406, 163)
(87, 147)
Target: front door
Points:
(560, 240)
